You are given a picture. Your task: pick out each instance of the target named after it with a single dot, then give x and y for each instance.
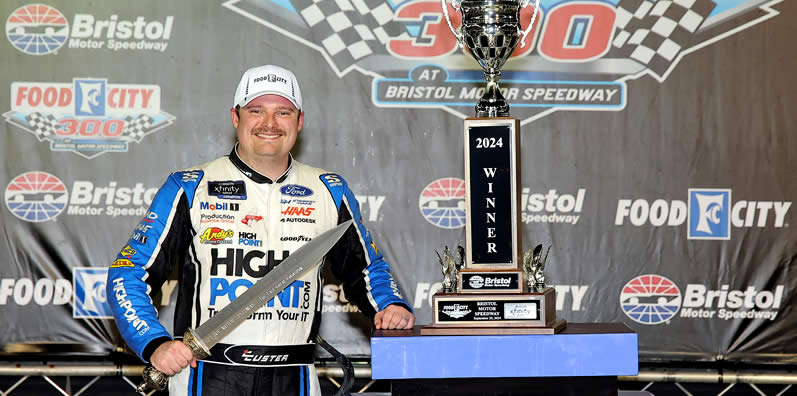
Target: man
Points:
(227, 223)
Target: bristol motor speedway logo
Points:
(88, 116)
(654, 299)
(39, 196)
(38, 29)
(36, 196)
(710, 213)
(579, 55)
(442, 203)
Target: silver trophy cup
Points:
(491, 31)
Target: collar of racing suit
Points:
(253, 174)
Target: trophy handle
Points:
(455, 4)
(523, 4)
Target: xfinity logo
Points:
(710, 213)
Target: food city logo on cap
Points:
(579, 56)
(442, 203)
(88, 116)
(39, 29)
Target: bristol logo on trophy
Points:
(483, 286)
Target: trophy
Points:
(490, 31)
(496, 292)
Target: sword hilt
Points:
(156, 380)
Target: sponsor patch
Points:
(234, 189)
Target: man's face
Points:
(267, 128)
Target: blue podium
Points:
(583, 359)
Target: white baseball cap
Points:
(268, 80)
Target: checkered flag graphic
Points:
(654, 33)
(137, 127)
(350, 30)
(44, 127)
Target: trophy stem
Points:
(492, 102)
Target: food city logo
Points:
(88, 116)
(39, 196)
(86, 290)
(442, 203)
(38, 29)
(578, 56)
(710, 213)
(653, 299)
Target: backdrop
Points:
(658, 145)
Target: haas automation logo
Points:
(579, 55)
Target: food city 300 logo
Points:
(577, 57)
(88, 116)
(39, 29)
(654, 299)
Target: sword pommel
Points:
(155, 380)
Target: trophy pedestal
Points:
(494, 313)
(572, 362)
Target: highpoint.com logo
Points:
(653, 299)
(578, 56)
(710, 213)
(88, 116)
(38, 29)
(39, 196)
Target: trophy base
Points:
(498, 310)
(557, 326)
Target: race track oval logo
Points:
(36, 196)
(650, 299)
(37, 29)
(442, 203)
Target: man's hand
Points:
(394, 317)
(171, 357)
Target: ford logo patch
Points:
(296, 190)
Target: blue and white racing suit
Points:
(224, 226)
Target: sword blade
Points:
(302, 260)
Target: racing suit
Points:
(224, 225)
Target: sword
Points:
(209, 333)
